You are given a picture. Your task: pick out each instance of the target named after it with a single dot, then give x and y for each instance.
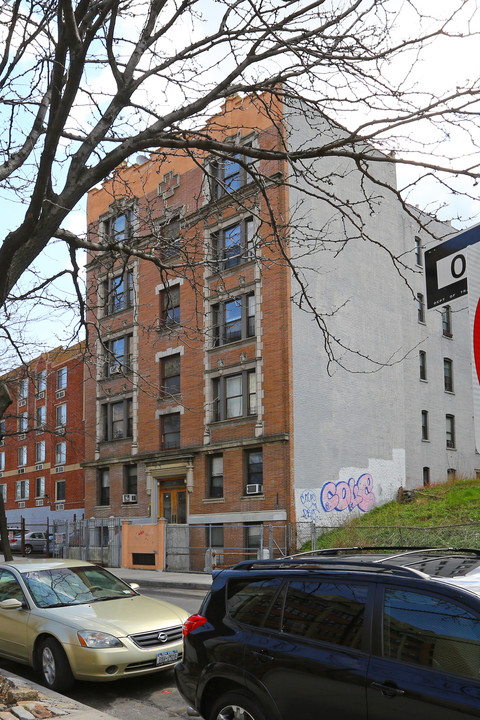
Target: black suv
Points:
(357, 634)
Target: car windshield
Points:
(59, 587)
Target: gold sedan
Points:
(71, 619)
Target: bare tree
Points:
(86, 85)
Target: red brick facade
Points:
(44, 439)
(174, 382)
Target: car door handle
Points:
(387, 689)
(262, 656)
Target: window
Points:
(235, 395)
(233, 245)
(170, 383)
(450, 431)
(118, 292)
(447, 321)
(422, 356)
(22, 456)
(23, 422)
(118, 420)
(234, 320)
(62, 378)
(170, 431)
(325, 611)
(451, 474)
(3, 490)
(215, 476)
(253, 539)
(418, 251)
(40, 451)
(130, 483)
(118, 356)
(61, 415)
(23, 389)
(170, 306)
(22, 490)
(420, 308)
(248, 601)
(215, 541)
(119, 227)
(40, 487)
(448, 374)
(60, 491)
(227, 176)
(431, 631)
(103, 487)
(168, 238)
(254, 466)
(424, 424)
(41, 416)
(41, 381)
(2, 461)
(426, 476)
(61, 453)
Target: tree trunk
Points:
(5, 401)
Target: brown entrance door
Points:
(172, 503)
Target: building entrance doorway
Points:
(172, 501)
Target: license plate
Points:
(169, 656)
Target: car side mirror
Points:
(11, 604)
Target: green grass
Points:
(445, 514)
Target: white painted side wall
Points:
(365, 419)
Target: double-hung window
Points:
(119, 227)
(41, 381)
(41, 417)
(61, 416)
(170, 381)
(118, 291)
(234, 319)
(450, 431)
(40, 451)
(170, 431)
(447, 321)
(170, 306)
(118, 419)
(235, 395)
(40, 487)
(215, 476)
(62, 378)
(22, 456)
(61, 453)
(103, 486)
(22, 490)
(118, 355)
(233, 245)
(448, 374)
(254, 467)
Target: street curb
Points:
(56, 704)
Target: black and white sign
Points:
(446, 267)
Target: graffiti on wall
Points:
(339, 496)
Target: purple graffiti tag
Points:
(356, 493)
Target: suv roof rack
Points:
(400, 550)
(326, 563)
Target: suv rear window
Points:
(248, 601)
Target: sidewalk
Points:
(22, 699)
(195, 581)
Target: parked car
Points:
(35, 541)
(73, 620)
(362, 635)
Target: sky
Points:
(445, 64)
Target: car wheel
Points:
(54, 666)
(28, 549)
(236, 706)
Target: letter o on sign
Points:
(458, 266)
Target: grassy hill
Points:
(441, 515)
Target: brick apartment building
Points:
(211, 400)
(43, 439)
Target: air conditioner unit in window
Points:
(114, 369)
(59, 506)
(129, 498)
(450, 444)
(40, 395)
(21, 471)
(60, 430)
(21, 504)
(39, 466)
(59, 469)
(254, 489)
(39, 502)
(60, 394)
